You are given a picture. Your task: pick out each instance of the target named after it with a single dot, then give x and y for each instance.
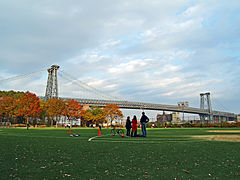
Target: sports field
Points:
(50, 153)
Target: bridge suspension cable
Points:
(21, 76)
(85, 86)
(219, 105)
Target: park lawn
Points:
(50, 153)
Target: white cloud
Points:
(111, 43)
(168, 69)
(192, 11)
(96, 83)
(164, 83)
(132, 66)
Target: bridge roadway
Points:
(150, 106)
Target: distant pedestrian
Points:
(28, 126)
(134, 126)
(128, 126)
(144, 120)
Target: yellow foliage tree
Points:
(112, 112)
(95, 115)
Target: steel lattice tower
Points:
(209, 106)
(52, 83)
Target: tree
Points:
(13, 94)
(7, 107)
(55, 109)
(95, 115)
(43, 111)
(73, 110)
(112, 112)
(28, 106)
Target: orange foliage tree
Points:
(112, 112)
(28, 106)
(73, 110)
(7, 107)
(55, 109)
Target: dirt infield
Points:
(234, 131)
(231, 138)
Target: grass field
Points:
(165, 154)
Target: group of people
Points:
(133, 125)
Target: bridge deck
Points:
(150, 106)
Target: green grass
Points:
(165, 154)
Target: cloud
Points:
(152, 51)
(192, 11)
(133, 66)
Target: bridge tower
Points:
(52, 83)
(205, 99)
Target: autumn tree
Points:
(7, 107)
(1, 108)
(95, 115)
(8, 104)
(112, 112)
(43, 111)
(55, 109)
(28, 106)
(13, 94)
(73, 110)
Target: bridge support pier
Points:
(52, 83)
(205, 98)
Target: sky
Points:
(153, 51)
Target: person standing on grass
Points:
(134, 126)
(144, 120)
(128, 126)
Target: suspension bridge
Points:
(102, 99)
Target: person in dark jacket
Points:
(144, 120)
(128, 126)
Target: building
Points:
(175, 117)
(164, 118)
(238, 118)
(168, 118)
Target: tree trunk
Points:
(51, 122)
(56, 122)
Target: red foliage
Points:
(73, 109)
(28, 105)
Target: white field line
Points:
(134, 140)
(90, 139)
(143, 139)
(145, 142)
(148, 140)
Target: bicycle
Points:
(117, 131)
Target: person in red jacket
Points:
(134, 126)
